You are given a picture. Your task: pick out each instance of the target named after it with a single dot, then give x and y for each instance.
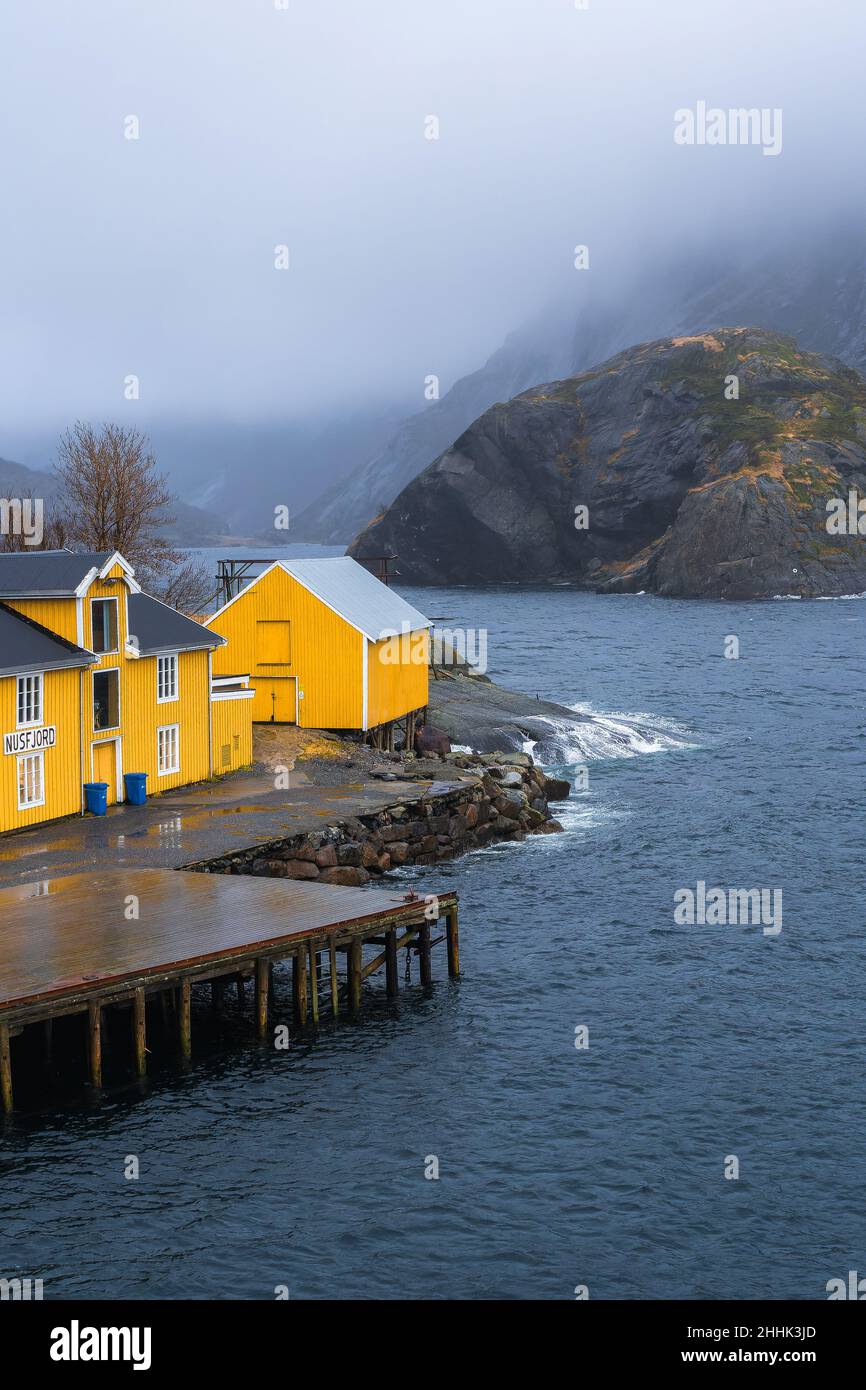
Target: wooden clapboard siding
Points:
(61, 696)
(143, 716)
(231, 721)
(394, 687)
(59, 615)
(325, 652)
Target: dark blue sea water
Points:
(558, 1167)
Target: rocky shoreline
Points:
(491, 797)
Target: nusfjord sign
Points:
(30, 740)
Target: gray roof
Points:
(357, 595)
(28, 646)
(158, 628)
(24, 572)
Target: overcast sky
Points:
(306, 127)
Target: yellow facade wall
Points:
(232, 722)
(396, 687)
(141, 716)
(59, 615)
(325, 652)
(62, 778)
(68, 705)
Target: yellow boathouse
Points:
(326, 646)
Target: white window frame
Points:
(36, 760)
(37, 699)
(106, 671)
(174, 666)
(113, 651)
(160, 744)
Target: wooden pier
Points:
(118, 940)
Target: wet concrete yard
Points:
(192, 824)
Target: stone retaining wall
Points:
(507, 800)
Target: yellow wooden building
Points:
(326, 645)
(98, 679)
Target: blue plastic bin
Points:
(136, 787)
(96, 797)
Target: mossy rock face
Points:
(705, 465)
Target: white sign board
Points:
(30, 740)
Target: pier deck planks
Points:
(63, 939)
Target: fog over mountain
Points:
(408, 257)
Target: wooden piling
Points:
(424, 953)
(263, 983)
(392, 986)
(299, 987)
(185, 1020)
(139, 1032)
(217, 993)
(94, 1036)
(314, 982)
(48, 1042)
(239, 982)
(5, 1069)
(355, 975)
(453, 941)
(335, 985)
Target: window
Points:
(166, 678)
(103, 617)
(29, 700)
(31, 780)
(226, 755)
(168, 749)
(106, 700)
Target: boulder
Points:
(300, 868)
(511, 779)
(557, 789)
(346, 876)
(326, 858)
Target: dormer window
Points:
(103, 616)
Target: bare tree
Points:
(116, 499)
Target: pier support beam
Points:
(94, 1036)
(424, 953)
(5, 1069)
(314, 983)
(139, 1032)
(185, 1020)
(453, 940)
(392, 986)
(263, 985)
(299, 987)
(355, 975)
(335, 987)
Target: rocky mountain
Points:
(687, 492)
(816, 295)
